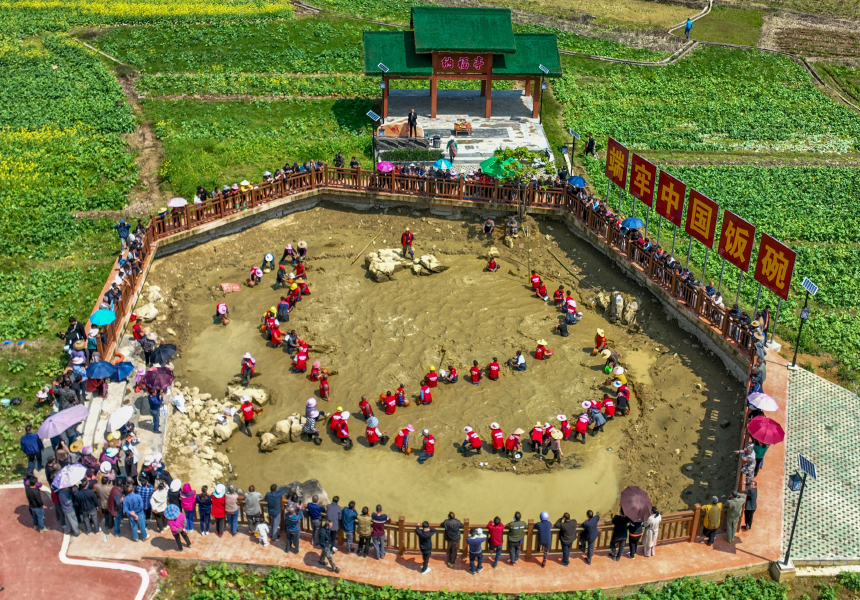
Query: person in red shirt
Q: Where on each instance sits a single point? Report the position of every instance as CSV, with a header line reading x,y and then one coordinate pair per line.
x,y
295,294
498,437
372,432
365,408
497,530
426,395
300,362
324,389
581,426
402,439
558,296
475,373
137,332
622,400
300,270
247,414
389,403
473,440
512,444
599,342
315,371
248,368
304,290
492,265
542,292
400,395
609,408
535,281
451,376
598,404
254,276
343,431
406,241
334,423
536,439
432,378
429,447
542,351
566,429
493,369
547,432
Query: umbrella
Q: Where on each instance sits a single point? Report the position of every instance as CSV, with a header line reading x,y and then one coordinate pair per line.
x,y
102,317
177,202
159,379
58,422
120,417
100,370
632,223
385,167
163,353
123,370
762,402
766,430
69,476
442,164
635,503
576,181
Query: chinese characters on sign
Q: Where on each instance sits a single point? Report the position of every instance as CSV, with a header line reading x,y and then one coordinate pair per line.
x,y
736,241
460,63
775,266
670,198
642,178
616,163
701,218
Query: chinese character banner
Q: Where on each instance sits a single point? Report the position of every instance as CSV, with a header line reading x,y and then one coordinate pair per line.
x,y
461,63
736,241
643,176
701,218
616,163
775,265
670,198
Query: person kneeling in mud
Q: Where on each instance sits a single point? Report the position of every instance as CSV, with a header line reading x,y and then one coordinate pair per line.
x,y
310,427
342,430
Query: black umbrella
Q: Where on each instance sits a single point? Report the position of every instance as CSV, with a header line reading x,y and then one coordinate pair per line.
x,y
159,379
163,354
635,503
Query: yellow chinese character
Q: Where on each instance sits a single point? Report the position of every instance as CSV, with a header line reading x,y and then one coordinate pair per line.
x,y
700,222
736,241
642,180
616,163
670,197
774,266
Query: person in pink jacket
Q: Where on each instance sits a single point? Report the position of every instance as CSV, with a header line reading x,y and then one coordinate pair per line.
x,y
176,522
187,500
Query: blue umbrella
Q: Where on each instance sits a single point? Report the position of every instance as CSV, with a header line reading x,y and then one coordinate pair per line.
x,y
100,370
102,317
576,181
632,223
123,370
442,164
58,422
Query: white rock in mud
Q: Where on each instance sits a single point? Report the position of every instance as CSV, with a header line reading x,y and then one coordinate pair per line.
x,y
146,313
492,252
268,442
628,317
235,392
431,263
509,241
223,432
384,263
154,294
603,300
281,430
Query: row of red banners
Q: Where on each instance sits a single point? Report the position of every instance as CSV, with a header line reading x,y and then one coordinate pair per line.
x,y
775,264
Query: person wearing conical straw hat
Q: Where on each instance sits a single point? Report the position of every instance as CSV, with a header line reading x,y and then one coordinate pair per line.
x,y
402,439
599,342
342,431
542,351
512,444
611,357
555,445
498,437
581,427
302,248
536,439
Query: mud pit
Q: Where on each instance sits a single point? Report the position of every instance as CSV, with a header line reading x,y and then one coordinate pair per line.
x,y
677,442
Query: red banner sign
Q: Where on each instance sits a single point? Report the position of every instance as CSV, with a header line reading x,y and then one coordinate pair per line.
x,y
775,266
701,218
461,63
736,241
616,163
670,198
643,176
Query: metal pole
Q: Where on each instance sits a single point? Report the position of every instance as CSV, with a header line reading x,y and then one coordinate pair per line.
x,y
540,112
775,320
659,229
705,266
647,215
689,250
674,235
620,194
757,298
608,188
740,281
794,523
799,332
633,212
722,268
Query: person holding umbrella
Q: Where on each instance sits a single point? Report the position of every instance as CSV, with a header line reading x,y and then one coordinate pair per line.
x,y
635,507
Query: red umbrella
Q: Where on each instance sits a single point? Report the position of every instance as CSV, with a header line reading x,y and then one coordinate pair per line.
x,y
635,503
766,430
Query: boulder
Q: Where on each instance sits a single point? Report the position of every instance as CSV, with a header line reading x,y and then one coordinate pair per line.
x,y
154,294
616,307
492,252
268,442
603,300
307,490
282,429
223,432
432,264
296,428
509,241
628,316
384,263
257,395
146,313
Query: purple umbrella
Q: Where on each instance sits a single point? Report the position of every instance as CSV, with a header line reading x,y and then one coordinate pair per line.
x,y
58,422
159,379
69,476
385,167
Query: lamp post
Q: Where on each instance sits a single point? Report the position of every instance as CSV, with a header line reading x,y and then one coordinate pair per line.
x,y
545,71
804,316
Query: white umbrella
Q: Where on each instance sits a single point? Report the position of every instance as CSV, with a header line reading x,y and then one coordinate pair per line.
x,y
177,202
120,417
763,402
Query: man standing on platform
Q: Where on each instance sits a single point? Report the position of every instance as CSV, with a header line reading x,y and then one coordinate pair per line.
x,y
412,119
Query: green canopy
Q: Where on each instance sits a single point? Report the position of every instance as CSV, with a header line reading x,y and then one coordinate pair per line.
x,y
496,168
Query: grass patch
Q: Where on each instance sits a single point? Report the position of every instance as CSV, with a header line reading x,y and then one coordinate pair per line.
x,y
629,14
728,25
219,143
847,78
838,8
594,46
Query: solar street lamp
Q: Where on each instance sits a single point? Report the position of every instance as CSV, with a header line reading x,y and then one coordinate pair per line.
x,y
543,70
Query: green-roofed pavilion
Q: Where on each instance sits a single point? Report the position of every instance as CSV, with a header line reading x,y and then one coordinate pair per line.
x,y
476,44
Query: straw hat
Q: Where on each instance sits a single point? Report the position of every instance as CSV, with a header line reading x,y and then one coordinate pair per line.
x,y
303,245
494,426
151,336
247,355
561,418
311,402
586,404
467,429
618,371
758,335
600,333
541,342
410,427
518,431
556,435
76,446
538,424
605,354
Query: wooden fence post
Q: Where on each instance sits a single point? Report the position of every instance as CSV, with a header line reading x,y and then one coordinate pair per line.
x,y
401,536
529,538
465,549
694,524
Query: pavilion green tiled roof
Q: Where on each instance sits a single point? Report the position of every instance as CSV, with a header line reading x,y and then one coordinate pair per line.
x,y
474,30
533,50
396,50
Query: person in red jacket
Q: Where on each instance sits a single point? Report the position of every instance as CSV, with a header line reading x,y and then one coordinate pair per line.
x,y
304,290
372,432
547,433
334,423
400,395
300,270
599,342
542,292
300,362
451,376
498,437
402,439
609,407
247,414
426,397
365,408
389,403
475,373
497,530
406,241
432,378
324,388
570,304
219,512
343,430
295,294
428,448
535,281
492,265
138,333
315,371
581,426
536,439
512,444
493,369
558,296
542,351
473,440
564,424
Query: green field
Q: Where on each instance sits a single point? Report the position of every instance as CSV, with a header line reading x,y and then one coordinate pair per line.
x,y
728,25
